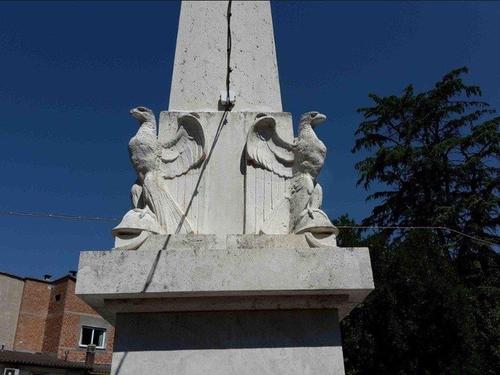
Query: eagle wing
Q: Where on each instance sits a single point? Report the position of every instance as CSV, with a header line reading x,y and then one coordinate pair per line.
x,y
267,149
186,150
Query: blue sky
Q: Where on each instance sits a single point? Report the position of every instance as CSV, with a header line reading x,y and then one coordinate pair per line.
x,y
70,71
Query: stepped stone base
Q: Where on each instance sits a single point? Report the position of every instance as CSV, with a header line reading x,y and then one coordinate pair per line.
x,y
236,304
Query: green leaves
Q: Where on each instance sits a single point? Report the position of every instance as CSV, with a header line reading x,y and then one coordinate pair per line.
x,y
433,157
434,149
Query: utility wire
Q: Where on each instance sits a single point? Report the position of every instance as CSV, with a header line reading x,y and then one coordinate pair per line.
x,y
58,216
375,227
417,227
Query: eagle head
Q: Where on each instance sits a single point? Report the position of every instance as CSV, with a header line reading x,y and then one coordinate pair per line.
x,y
313,118
143,114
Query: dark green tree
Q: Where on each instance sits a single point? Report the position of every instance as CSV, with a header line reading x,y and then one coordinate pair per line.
x,y
436,155
433,159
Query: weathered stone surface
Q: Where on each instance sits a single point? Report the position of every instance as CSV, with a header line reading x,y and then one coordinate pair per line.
x,y
301,161
200,65
154,210
291,342
206,267
224,196
213,242
225,173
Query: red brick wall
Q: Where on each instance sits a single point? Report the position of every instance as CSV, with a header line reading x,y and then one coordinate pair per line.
x,y
47,325
74,309
74,303
70,340
32,316
53,323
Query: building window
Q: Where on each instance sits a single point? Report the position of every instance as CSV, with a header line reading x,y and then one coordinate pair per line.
x,y
58,297
93,335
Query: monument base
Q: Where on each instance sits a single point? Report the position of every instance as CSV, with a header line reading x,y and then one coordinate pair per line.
x,y
291,342
237,304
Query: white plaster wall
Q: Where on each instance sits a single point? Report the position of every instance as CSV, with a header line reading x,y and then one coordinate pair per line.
x,y
11,292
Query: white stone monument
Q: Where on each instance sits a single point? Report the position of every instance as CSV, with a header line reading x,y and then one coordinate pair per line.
x,y
225,263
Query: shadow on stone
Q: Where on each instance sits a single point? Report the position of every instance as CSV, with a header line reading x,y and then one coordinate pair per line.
x,y
227,330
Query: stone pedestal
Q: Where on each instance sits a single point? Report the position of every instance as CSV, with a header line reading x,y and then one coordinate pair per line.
x,y
235,304
264,342
258,285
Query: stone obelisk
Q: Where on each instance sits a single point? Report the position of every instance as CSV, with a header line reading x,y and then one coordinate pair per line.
x,y
201,59
225,263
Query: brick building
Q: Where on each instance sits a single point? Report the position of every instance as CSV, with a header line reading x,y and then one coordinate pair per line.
x,y
45,316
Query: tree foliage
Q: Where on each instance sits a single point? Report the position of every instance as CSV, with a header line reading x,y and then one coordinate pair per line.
x,y
433,159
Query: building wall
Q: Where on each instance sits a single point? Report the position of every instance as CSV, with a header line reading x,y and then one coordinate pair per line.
x,y
77,314
50,320
11,292
55,315
32,370
32,316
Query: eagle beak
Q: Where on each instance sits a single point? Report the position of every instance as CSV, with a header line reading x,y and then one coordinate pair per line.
x,y
135,113
318,119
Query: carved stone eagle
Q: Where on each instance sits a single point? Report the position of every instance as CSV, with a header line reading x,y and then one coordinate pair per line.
x,y
300,161
155,161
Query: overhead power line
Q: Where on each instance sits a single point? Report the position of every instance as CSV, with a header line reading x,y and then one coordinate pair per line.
x,y
46,215
58,216
418,227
